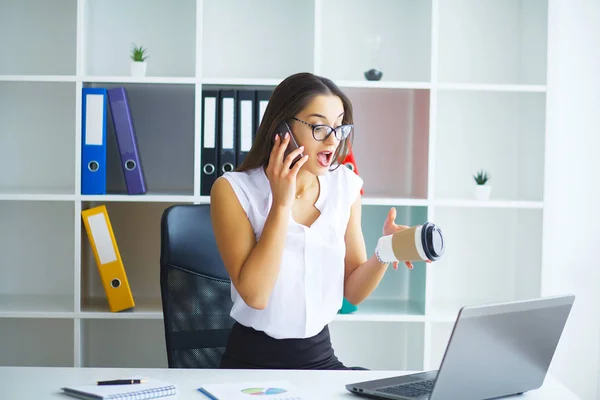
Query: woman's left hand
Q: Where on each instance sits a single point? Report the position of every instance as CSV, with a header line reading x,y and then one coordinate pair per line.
x,y
390,227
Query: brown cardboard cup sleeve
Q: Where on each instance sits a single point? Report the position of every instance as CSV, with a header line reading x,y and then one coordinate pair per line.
x,y
417,243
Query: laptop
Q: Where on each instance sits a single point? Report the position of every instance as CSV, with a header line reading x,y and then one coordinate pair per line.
x,y
494,350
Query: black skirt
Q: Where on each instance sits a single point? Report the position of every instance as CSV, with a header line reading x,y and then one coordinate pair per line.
x,y
248,348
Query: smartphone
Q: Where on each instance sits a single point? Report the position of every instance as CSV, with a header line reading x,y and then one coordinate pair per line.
x,y
282,129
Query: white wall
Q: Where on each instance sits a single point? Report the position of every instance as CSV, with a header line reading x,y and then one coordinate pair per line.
x,y
572,185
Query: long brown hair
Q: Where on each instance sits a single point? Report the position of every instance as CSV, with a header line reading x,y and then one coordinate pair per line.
x,y
292,95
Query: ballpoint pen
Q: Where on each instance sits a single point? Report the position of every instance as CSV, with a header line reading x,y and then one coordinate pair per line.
x,y
122,382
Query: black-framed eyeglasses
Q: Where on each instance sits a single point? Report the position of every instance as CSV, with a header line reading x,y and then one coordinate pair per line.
x,y
321,131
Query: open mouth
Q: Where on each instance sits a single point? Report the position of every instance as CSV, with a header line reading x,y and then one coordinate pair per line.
x,y
324,158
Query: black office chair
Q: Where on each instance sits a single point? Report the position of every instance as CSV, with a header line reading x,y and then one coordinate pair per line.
x,y
195,289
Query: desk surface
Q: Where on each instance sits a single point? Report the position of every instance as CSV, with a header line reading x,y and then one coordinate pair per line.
x,y
29,383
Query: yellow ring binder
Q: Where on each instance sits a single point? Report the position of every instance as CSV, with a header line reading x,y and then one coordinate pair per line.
x,y
108,259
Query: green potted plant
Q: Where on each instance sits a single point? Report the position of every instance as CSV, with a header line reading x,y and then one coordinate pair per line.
x,y
482,188
138,61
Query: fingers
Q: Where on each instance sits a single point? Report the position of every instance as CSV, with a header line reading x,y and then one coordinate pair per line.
x,y
276,146
298,165
409,264
283,146
392,214
390,220
277,152
288,160
274,152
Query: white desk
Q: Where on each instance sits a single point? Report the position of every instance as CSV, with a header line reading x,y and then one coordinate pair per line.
x,y
33,383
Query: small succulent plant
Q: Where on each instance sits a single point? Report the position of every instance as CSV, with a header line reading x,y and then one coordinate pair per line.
x,y
138,53
481,177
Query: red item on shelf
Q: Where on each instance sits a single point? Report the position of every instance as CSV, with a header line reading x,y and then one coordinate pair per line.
x,y
350,162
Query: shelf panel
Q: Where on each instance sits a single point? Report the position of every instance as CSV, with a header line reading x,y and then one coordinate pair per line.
x,y
370,310
498,42
366,200
163,117
36,342
37,250
166,29
393,201
401,349
146,79
342,83
38,78
393,36
449,203
254,82
487,203
271,44
145,308
492,255
36,306
382,84
16,194
146,198
391,140
201,199
123,344
37,127
490,87
382,310
38,37
501,132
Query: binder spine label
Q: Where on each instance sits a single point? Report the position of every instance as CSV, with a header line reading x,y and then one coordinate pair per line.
x,y
228,125
262,108
246,126
209,122
102,239
94,120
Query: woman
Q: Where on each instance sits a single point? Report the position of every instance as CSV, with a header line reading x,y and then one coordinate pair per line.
x,y
290,237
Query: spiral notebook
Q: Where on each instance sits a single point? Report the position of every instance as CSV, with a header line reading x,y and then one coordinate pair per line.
x,y
153,389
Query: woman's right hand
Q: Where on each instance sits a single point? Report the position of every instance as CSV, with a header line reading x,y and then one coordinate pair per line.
x,y
281,177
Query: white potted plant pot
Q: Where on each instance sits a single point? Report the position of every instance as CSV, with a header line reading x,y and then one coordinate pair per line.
x,y
138,68
482,192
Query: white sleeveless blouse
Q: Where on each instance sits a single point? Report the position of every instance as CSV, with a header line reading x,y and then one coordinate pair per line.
x,y
310,286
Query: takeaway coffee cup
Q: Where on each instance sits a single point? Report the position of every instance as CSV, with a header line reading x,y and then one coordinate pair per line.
x,y
417,243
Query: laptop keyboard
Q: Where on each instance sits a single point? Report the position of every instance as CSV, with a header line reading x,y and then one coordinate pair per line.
x,y
414,389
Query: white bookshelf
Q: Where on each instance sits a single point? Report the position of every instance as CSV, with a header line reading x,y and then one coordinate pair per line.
x,y
463,88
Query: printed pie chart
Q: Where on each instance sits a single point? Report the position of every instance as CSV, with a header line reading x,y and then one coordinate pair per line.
x,y
263,391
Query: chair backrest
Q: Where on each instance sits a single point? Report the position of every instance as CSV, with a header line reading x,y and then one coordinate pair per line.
x,y
195,289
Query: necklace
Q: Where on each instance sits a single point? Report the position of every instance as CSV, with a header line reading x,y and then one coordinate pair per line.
x,y
305,189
